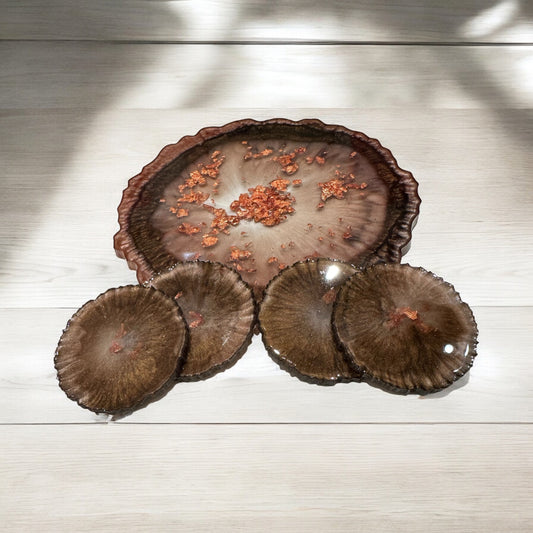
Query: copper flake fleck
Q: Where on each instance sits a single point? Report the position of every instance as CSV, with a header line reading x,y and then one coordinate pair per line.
x,y
280,184
188,229
209,240
264,204
238,254
197,319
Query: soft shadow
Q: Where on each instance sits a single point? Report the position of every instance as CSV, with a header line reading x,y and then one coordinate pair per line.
x,y
460,383
385,387
49,75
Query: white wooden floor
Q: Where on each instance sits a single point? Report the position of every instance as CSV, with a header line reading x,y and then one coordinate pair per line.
x,y
90,91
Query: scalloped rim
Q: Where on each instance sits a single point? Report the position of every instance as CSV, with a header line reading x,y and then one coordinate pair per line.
x,y
281,361
379,383
228,363
399,236
161,391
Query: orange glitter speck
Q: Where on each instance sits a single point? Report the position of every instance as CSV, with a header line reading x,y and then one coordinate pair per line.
x,y
272,259
280,184
237,254
209,240
334,187
263,153
264,204
398,315
410,313
287,161
115,347
196,318
188,229
290,169
193,197
330,296
195,178
221,219
297,182
256,155
212,170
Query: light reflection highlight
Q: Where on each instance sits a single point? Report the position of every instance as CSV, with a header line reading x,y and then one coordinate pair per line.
x,y
332,272
448,348
490,20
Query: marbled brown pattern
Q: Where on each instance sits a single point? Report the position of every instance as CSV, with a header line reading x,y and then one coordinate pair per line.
x,y
365,226
295,321
220,310
405,327
120,349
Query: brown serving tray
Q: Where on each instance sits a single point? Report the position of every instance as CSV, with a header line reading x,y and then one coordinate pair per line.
x,y
261,195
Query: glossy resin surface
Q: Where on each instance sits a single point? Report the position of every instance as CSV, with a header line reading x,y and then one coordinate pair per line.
x,y
120,349
219,309
259,196
405,327
295,321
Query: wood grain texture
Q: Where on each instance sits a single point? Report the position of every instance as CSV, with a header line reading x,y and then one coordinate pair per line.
x,y
145,76
90,91
265,478
259,21
64,172
497,389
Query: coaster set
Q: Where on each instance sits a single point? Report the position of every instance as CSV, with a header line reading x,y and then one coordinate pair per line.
x,y
292,229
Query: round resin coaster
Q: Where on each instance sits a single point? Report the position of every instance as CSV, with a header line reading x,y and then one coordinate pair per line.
x,y
405,327
258,196
295,321
120,349
220,310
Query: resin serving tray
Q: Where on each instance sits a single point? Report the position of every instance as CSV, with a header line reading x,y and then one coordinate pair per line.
x,y
258,196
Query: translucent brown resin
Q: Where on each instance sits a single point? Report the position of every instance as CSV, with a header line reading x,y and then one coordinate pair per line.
x,y
258,196
405,328
220,311
120,349
295,321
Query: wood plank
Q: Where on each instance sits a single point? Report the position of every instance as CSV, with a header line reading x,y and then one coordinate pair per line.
x,y
104,75
240,20
265,478
64,171
497,389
